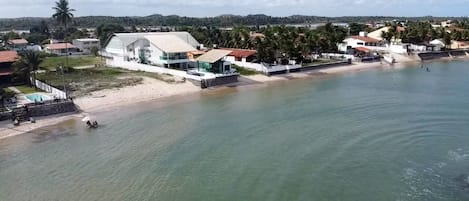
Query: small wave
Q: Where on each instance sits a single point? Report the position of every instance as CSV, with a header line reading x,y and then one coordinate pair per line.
x,y
457,155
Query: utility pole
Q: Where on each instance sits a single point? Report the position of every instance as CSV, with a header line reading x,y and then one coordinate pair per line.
x,y
63,80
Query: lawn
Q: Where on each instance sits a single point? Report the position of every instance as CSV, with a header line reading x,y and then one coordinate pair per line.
x,y
27,90
244,71
81,82
51,63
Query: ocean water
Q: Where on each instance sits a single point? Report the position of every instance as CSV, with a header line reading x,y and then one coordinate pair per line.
x,y
395,134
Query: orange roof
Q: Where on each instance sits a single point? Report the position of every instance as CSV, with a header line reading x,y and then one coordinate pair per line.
x,y
362,49
400,29
241,53
8,56
197,52
366,39
18,41
60,46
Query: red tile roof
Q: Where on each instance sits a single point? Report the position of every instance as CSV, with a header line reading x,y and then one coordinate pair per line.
x,y
366,39
18,41
241,53
60,46
8,56
400,29
362,49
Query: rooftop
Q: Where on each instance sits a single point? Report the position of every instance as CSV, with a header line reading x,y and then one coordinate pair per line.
x,y
87,39
60,46
170,43
128,38
20,41
213,55
8,56
366,39
241,53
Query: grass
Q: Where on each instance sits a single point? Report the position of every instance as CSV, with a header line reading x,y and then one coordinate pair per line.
x,y
27,90
84,81
51,63
244,71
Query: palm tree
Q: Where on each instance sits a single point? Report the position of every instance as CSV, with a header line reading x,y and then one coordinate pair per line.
x,y
63,15
29,62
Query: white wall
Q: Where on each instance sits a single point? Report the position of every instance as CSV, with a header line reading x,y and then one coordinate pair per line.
x,y
148,68
265,69
56,92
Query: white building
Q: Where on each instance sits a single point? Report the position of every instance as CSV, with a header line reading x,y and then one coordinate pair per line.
x,y
165,49
86,45
438,44
61,49
361,40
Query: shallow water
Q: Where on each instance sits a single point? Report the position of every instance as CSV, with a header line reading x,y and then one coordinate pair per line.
x,y
376,135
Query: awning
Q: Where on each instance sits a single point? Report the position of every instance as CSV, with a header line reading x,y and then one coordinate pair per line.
x,y
213,55
362,49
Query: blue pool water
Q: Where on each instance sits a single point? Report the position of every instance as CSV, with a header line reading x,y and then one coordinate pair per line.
x,y
36,97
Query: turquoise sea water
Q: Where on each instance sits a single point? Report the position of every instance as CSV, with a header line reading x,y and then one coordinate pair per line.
x,y
396,135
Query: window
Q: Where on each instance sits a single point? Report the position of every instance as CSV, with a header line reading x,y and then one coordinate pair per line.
x,y
360,43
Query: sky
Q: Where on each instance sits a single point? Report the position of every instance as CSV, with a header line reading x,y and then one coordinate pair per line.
x,y
204,8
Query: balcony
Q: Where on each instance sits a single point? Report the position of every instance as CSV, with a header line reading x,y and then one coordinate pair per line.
x,y
171,57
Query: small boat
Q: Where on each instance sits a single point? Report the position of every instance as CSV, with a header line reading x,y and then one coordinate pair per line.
x,y
389,59
89,123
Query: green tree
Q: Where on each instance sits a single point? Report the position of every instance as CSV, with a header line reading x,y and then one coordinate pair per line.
x,y
104,31
63,13
28,63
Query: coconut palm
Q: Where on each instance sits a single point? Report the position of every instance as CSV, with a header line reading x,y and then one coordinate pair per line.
x,y
63,15
28,63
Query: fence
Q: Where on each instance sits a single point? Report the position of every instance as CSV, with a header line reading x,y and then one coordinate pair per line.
x,y
54,91
148,68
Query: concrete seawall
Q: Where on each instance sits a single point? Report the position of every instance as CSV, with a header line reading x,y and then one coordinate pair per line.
x,y
443,54
40,110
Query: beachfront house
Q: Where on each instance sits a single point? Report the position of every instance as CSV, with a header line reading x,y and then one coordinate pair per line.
x,y
214,61
438,44
241,55
86,45
7,58
17,44
361,40
61,49
163,49
457,45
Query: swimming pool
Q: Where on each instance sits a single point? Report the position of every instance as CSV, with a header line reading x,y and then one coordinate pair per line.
x,y
37,97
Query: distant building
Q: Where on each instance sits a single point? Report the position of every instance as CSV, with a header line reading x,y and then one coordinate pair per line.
x,y
85,45
61,49
459,45
165,49
17,44
7,58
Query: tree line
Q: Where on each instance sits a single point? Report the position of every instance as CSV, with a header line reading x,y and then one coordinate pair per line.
x,y
218,21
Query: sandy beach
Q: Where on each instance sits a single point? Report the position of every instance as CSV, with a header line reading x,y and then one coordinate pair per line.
x,y
152,89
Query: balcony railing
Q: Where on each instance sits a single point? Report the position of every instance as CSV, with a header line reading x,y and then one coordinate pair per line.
x,y
173,57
